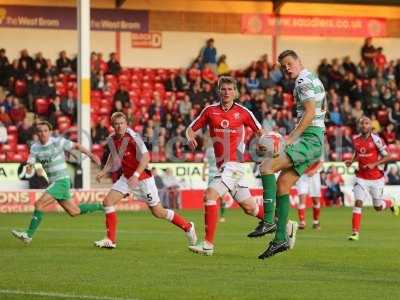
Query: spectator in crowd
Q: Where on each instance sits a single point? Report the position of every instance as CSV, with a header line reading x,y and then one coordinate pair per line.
x,y
389,135
63,63
268,122
4,67
357,112
40,65
48,88
185,106
252,83
380,59
99,82
394,114
113,65
4,117
208,56
68,105
182,82
393,176
98,64
100,132
25,132
118,107
265,80
348,66
171,186
222,66
122,95
3,133
368,51
18,112
55,110
336,116
26,61
171,84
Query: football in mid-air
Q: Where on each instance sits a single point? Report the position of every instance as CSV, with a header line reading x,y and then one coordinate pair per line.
x,y
270,145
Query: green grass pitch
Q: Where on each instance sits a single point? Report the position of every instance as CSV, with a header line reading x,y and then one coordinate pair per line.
x,y
152,260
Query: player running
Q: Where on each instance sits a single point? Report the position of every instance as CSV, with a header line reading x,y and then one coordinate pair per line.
x,y
310,184
226,121
210,170
129,152
370,152
303,148
49,151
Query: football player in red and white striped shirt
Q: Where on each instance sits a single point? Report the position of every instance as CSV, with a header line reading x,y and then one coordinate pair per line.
x,y
226,121
370,152
129,152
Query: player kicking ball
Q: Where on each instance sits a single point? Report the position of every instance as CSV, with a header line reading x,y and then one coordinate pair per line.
x,y
304,147
370,151
49,151
129,152
310,184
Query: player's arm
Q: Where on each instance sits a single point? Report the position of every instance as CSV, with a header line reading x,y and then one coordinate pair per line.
x,y
197,123
349,162
106,169
386,156
89,154
250,120
143,162
306,120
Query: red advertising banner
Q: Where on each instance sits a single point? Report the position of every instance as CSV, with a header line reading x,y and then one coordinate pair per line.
x,y
313,25
147,40
23,200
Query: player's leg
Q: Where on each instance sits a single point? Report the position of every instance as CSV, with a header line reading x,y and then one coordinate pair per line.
x,y
381,204
148,190
119,190
360,192
287,178
302,186
301,211
26,236
268,169
315,193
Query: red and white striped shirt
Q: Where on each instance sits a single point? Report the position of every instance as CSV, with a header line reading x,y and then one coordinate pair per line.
x,y
227,130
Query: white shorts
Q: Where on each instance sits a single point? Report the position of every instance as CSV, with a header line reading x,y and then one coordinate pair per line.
x,y
309,185
364,189
230,179
146,190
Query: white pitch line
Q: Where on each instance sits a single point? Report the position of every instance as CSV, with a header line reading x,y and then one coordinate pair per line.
x,y
59,295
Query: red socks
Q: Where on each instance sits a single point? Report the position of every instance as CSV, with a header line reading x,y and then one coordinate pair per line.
x,y
178,220
111,223
316,212
301,210
210,220
356,221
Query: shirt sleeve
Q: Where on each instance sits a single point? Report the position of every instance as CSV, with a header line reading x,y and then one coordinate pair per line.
x,y
67,145
251,121
140,146
305,90
380,144
32,156
200,121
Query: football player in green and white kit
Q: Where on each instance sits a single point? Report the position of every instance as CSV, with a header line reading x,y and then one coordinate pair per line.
x,y
49,151
304,147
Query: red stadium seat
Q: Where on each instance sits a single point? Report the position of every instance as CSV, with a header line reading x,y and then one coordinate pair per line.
x,y
20,88
199,157
12,140
22,148
347,156
3,157
383,117
12,129
42,106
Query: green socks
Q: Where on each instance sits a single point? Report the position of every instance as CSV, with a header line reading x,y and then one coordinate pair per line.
x,y
222,209
269,196
283,214
90,207
35,222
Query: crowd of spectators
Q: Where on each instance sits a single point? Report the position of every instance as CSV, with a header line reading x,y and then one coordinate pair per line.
x,y
160,103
